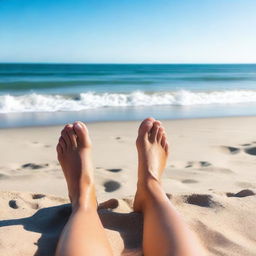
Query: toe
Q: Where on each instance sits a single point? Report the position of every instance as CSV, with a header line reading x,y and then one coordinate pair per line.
x,y
65,137
166,148
62,144
59,149
82,133
146,126
154,131
160,134
163,141
72,136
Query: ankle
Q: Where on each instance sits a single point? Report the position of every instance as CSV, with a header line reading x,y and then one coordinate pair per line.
x,y
86,199
148,184
83,205
146,194
84,208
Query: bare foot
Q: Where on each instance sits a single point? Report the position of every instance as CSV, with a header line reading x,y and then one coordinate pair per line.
x,y
152,149
74,155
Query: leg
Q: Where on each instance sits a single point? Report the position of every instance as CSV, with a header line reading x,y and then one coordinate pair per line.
x,y
164,232
83,233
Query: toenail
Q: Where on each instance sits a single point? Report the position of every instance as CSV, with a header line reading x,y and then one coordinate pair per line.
x,y
78,125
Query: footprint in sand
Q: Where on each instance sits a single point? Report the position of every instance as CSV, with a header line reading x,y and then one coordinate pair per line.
x,y
242,193
13,204
38,196
249,148
251,151
197,164
246,147
201,200
231,150
19,203
34,166
189,181
111,186
200,166
115,170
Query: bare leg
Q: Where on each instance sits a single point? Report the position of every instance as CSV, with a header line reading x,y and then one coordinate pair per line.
x,y
83,233
164,232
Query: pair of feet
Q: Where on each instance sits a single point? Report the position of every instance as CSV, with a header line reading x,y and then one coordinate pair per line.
x,y
74,155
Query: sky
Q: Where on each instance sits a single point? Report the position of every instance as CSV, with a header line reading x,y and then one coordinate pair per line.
x,y
128,31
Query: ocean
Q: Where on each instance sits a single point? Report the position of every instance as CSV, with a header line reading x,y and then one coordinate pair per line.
x,y
51,94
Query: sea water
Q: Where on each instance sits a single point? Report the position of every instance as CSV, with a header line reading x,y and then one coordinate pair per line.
x,y
49,94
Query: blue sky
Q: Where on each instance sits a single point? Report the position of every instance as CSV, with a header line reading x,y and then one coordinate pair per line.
x,y
128,31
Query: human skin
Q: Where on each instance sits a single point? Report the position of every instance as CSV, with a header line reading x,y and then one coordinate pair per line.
x,y
83,234
164,232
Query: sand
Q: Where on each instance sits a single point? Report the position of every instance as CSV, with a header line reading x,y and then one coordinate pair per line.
x,y
210,178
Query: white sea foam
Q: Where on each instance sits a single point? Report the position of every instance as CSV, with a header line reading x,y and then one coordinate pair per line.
x,y
51,103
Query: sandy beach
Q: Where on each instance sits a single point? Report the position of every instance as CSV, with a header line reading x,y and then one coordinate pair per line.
x,y
210,178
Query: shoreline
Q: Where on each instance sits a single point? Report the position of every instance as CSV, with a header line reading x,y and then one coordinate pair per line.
x,y
217,118
120,114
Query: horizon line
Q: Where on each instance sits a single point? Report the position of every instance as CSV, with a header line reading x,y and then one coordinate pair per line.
x,y
133,63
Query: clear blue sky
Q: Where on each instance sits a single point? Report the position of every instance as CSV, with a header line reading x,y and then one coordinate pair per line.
x,y
128,31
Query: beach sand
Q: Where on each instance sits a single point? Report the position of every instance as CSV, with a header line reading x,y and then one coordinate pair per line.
x,y
210,178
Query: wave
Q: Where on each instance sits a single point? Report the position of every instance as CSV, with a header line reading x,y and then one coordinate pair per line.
x,y
51,103
62,84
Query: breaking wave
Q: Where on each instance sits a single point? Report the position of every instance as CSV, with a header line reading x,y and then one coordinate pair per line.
x,y
51,103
